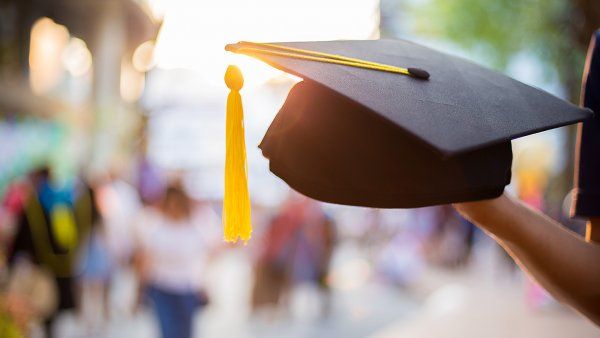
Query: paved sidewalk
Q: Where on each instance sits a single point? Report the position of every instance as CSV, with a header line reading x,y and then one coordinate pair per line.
x,y
466,305
483,301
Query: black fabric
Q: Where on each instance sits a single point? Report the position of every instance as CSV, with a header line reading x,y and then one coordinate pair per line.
x,y
461,107
586,202
328,148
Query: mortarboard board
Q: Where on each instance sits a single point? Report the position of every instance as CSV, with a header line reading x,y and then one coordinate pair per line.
x,y
392,124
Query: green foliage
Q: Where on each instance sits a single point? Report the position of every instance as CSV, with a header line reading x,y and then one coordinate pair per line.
x,y
496,30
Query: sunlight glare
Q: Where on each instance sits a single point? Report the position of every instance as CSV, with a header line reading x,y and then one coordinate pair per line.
x,y
194,34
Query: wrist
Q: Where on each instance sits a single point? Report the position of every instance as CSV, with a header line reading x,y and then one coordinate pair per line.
x,y
485,213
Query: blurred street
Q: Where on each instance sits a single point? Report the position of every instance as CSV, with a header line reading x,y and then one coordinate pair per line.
x,y
480,301
468,306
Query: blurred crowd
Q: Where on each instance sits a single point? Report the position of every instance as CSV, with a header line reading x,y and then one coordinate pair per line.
x,y
64,244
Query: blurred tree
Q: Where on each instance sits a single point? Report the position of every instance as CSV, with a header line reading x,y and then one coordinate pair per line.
x,y
556,32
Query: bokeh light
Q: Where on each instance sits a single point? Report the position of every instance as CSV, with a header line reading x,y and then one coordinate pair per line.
x,y
76,57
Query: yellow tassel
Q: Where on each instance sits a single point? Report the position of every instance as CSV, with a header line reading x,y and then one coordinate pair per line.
x,y
236,201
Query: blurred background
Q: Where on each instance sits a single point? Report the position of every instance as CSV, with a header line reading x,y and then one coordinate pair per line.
x,y
111,168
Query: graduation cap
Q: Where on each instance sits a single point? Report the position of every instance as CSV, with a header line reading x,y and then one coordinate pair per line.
x,y
386,124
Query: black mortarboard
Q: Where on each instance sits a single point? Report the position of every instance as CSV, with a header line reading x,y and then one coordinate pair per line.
x,y
360,134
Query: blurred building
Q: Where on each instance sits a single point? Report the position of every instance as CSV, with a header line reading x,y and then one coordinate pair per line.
x,y
78,66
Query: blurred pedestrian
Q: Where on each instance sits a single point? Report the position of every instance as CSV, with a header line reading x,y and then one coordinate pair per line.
x,y
54,224
95,271
174,242
298,246
451,239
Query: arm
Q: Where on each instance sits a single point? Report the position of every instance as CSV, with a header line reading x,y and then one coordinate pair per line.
x,y
564,263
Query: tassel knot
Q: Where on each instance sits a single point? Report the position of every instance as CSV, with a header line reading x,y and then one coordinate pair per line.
x,y
233,78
